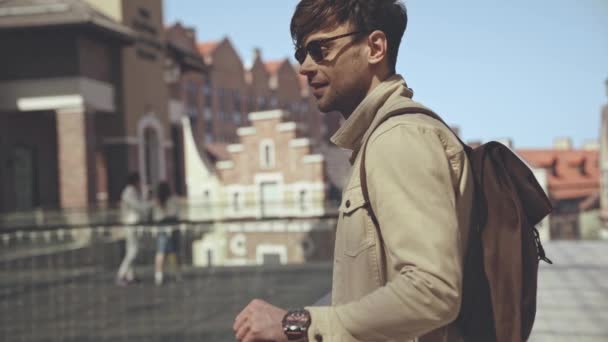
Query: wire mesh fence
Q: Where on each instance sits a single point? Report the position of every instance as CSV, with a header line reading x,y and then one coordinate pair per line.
x,y
59,283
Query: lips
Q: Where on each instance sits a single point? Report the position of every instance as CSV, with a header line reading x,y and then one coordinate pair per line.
x,y
317,88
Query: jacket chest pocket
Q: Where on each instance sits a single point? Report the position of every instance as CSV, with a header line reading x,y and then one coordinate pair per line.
x,y
356,224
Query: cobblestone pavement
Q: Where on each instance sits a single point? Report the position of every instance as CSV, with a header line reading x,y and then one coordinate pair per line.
x,y
83,304
573,294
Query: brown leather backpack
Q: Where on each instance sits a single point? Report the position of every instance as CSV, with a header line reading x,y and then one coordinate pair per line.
x,y
504,249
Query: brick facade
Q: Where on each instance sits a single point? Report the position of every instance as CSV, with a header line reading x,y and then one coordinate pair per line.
x,y
72,155
233,91
224,92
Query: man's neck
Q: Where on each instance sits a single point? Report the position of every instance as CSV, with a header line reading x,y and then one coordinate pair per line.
x,y
375,82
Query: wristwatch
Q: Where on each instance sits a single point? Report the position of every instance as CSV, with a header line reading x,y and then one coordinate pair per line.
x,y
296,323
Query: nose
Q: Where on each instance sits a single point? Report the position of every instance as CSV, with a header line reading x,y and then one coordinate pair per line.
x,y
308,67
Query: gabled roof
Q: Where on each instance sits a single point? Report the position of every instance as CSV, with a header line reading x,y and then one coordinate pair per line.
x,y
181,46
207,48
217,152
273,66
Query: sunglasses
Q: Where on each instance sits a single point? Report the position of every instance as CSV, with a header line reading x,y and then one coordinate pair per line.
x,y
315,48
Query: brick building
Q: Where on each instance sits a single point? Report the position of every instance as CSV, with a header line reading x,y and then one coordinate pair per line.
x,y
232,90
60,114
223,93
73,126
185,75
270,173
144,144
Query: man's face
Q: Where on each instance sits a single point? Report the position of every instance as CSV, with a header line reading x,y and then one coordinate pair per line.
x,y
339,82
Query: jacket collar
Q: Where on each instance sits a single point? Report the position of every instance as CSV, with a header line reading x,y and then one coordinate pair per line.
x,y
372,109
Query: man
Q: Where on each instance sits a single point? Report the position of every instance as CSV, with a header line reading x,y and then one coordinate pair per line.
x,y
132,210
404,284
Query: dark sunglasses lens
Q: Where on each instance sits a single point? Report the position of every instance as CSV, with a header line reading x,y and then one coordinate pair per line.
x,y
300,55
314,48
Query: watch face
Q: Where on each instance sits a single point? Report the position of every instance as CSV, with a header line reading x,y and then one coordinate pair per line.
x,y
298,318
295,324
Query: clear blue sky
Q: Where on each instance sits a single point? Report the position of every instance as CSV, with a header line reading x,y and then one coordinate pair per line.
x,y
531,70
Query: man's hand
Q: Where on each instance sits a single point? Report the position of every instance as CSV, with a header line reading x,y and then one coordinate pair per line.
x,y
260,321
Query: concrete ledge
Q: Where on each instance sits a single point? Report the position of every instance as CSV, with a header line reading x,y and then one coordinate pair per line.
x,y
301,142
313,158
225,164
235,148
287,126
269,114
243,131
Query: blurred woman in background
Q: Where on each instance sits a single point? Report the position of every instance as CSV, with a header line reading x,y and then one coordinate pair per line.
x,y
166,212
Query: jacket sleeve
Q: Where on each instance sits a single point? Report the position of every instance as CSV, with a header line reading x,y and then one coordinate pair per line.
x,y
413,195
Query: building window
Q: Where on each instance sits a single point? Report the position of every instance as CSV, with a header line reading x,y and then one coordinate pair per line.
x,y
151,156
252,104
208,98
24,178
261,103
220,100
267,154
190,89
582,167
274,101
236,102
208,129
303,199
236,201
207,91
207,199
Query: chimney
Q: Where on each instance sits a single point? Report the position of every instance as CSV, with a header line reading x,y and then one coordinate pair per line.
x,y
591,145
190,33
563,143
257,54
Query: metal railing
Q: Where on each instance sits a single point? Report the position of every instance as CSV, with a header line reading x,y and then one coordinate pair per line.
x,y
57,283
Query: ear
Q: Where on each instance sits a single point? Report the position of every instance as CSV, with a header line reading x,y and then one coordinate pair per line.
x,y
378,47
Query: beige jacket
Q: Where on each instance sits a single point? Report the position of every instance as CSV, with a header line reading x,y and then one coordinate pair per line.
x,y
420,188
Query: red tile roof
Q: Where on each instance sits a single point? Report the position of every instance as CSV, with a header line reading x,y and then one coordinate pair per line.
x,y
218,151
207,48
273,66
571,173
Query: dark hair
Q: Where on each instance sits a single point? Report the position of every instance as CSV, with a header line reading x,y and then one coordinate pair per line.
x,y
388,16
133,178
163,192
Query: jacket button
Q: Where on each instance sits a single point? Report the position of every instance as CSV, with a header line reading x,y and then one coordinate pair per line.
x,y
347,203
